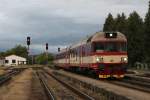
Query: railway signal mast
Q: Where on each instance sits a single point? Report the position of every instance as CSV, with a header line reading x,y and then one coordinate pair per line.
x,y
47,52
28,44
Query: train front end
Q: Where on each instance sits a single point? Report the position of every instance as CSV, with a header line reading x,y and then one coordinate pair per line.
x,y
110,54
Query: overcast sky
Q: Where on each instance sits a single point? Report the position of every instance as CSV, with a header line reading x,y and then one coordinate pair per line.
x,y
58,22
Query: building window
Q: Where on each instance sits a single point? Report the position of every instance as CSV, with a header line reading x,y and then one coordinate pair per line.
x,y
13,61
6,61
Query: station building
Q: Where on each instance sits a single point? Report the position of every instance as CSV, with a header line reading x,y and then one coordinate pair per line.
x,y
2,61
14,60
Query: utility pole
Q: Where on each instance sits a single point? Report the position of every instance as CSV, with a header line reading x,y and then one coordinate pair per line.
x,y
47,52
28,44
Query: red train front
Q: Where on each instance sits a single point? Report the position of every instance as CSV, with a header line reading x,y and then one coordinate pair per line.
x,y
104,53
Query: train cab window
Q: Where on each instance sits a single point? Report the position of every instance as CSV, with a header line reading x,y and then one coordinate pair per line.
x,y
99,47
123,47
112,47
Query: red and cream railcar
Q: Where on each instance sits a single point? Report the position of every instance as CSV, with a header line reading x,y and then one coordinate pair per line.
x,y
104,53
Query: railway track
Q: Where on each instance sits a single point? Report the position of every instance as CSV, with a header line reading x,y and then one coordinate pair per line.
x,y
78,92
75,93
118,89
137,85
133,82
45,86
6,77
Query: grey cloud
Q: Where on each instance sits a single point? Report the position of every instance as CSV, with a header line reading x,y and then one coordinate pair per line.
x,y
58,22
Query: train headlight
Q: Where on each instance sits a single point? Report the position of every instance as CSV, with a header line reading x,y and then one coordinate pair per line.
x,y
110,34
99,59
124,59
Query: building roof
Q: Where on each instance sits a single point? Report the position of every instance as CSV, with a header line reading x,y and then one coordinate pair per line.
x,y
12,56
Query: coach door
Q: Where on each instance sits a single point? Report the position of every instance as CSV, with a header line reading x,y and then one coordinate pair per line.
x,y
67,57
81,59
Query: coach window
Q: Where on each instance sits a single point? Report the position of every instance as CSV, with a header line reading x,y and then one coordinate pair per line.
x,y
76,55
73,52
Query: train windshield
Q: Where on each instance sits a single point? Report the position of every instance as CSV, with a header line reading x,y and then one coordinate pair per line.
x,y
110,47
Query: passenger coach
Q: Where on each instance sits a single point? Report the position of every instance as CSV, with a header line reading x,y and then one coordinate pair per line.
x,y
104,53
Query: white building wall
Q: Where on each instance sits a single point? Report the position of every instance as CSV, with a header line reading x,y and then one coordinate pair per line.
x,y
2,62
18,60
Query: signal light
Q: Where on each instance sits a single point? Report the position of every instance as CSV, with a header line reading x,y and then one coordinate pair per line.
x,y
28,40
110,35
46,46
58,49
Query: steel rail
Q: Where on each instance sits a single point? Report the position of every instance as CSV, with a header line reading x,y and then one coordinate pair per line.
x,y
130,85
4,79
79,93
7,77
130,82
46,88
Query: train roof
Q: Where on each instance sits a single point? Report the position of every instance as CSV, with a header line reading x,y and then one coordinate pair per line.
x,y
100,36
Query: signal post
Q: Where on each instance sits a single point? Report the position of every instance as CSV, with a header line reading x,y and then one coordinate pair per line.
x,y
28,44
47,53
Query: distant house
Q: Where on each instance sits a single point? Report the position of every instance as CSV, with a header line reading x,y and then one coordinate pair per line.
x,y
2,61
14,60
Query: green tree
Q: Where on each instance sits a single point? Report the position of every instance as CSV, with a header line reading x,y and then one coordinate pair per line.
x,y
42,58
109,23
18,50
147,35
121,23
2,54
135,38
137,33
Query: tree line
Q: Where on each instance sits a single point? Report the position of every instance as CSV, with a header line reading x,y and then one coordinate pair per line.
x,y
17,50
137,31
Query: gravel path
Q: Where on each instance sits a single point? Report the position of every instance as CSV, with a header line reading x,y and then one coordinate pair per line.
x,y
18,88
24,86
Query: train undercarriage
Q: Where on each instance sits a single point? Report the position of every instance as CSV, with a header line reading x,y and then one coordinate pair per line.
x,y
102,72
